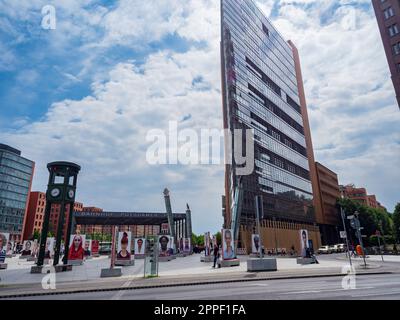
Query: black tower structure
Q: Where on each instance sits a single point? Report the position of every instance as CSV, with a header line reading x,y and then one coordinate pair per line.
x,y
61,190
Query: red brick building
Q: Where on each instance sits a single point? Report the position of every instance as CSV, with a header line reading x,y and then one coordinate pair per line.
x,y
55,215
325,204
35,215
388,16
360,195
92,229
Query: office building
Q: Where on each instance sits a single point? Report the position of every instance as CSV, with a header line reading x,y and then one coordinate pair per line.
x,y
16,173
263,90
326,205
388,16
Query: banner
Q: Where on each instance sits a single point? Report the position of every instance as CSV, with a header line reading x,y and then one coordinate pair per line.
x,y
140,246
304,245
255,243
124,246
88,248
95,247
76,249
228,245
35,248
164,245
4,239
10,248
27,248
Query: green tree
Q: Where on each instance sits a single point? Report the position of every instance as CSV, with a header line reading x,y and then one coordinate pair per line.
x,y
36,235
396,222
219,237
371,219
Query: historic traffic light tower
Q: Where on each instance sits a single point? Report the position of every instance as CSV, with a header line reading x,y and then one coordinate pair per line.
x,y
61,190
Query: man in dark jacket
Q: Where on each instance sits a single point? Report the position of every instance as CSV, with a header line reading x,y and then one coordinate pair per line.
x,y
216,254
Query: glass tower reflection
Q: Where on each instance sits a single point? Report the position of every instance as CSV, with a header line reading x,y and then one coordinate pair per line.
x,y
260,92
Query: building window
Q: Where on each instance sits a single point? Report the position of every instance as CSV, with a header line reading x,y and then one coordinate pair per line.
x,y
393,30
388,13
265,29
396,48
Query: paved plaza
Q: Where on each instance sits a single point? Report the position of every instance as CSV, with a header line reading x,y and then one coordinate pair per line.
x,y
18,271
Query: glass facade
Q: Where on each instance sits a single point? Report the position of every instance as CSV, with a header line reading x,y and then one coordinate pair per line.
x,y
260,92
15,180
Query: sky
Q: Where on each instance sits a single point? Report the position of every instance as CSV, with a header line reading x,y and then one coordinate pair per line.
x,y
90,90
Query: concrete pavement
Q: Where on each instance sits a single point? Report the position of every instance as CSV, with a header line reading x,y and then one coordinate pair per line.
x,y
366,287
179,272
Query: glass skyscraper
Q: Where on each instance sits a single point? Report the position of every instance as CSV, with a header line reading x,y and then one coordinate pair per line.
x,y
16,175
263,91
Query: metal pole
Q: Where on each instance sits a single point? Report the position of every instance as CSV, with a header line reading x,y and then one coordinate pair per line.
x,y
362,247
113,241
259,207
59,234
69,229
276,241
345,230
380,251
383,235
45,227
43,236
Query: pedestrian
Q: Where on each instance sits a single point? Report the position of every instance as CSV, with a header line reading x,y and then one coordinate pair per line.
x,y
359,251
353,253
216,254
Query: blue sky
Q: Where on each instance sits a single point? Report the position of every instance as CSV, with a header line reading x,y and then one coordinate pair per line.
x,y
113,70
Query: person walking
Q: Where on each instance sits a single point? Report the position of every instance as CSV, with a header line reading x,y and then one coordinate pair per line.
x,y
216,254
353,253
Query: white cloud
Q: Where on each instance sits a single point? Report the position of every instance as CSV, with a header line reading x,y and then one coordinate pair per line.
x,y
106,131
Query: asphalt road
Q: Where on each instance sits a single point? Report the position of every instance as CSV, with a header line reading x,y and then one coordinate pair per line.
x,y
369,287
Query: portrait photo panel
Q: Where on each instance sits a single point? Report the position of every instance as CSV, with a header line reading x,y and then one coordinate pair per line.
x,y
140,246
228,245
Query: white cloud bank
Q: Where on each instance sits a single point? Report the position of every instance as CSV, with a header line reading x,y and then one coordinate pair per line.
x,y
351,102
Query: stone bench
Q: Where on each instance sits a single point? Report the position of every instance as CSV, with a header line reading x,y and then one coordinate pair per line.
x,y
257,265
230,263
111,273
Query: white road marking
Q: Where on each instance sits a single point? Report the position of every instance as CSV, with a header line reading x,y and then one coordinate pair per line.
x,y
120,293
331,290
376,294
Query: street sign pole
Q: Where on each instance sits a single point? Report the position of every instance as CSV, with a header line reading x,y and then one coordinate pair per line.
x,y
362,246
379,243
259,207
347,240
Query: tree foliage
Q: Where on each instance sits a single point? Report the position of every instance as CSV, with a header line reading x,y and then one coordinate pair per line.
x,y
371,219
396,222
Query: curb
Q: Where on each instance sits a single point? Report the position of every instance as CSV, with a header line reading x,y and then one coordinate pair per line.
x,y
187,284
